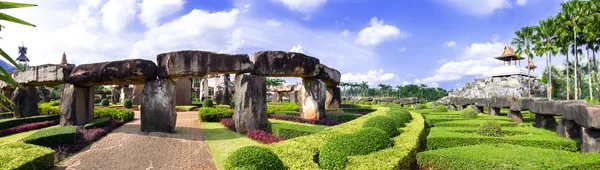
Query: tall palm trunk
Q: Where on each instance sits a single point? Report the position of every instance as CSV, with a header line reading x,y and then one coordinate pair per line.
x,y
549,70
576,63
568,78
589,74
595,70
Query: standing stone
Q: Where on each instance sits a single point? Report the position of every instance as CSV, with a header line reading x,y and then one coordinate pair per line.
x,y
333,97
115,94
184,91
545,121
222,91
590,140
136,96
158,106
26,102
76,105
568,129
294,96
313,99
494,111
250,103
461,107
125,94
276,97
450,107
478,109
516,116
204,89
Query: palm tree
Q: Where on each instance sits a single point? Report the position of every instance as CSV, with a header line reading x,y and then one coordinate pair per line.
x,y
4,75
364,86
573,12
590,36
523,39
546,31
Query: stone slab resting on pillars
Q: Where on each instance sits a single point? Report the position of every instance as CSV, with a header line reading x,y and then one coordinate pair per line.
x,y
158,106
76,105
250,103
545,121
313,99
568,129
333,98
516,116
26,102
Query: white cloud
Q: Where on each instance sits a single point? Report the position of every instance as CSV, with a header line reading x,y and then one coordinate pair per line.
x,y
450,44
273,23
304,6
372,77
479,7
297,48
377,33
495,38
403,49
410,75
345,33
521,2
117,14
405,83
152,10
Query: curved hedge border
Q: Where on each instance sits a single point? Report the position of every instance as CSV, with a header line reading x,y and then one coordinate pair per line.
x,y
446,137
8,123
505,156
18,155
401,156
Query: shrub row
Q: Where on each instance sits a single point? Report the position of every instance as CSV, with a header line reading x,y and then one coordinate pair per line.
x,y
288,113
124,115
27,127
358,110
185,108
289,131
228,122
8,123
342,117
448,137
53,137
210,114
6,115
298,119
505,156
336,149
253,157
287,106
472,123
97,123
434,118
263,136
104,102
48,108
18,155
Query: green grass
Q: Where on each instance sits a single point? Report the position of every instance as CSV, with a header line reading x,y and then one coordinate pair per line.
x,y
289,130
222,141
20,136
504,156
18,155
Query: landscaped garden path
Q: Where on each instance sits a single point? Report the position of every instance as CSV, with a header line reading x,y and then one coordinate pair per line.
x,y
128,148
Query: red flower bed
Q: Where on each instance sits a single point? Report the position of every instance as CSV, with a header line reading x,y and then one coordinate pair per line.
x,y
308,121
263,137
28,127
228,122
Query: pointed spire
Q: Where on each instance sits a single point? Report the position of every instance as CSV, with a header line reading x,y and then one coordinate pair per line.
x,y
64,59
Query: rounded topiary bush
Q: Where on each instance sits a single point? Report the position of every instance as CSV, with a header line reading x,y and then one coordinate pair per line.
x,y
97,100
490,128
468,113
441,108
104,102
429,104
127,103
207,103
420,106
374,102
253,157
384,123
400,117
334,153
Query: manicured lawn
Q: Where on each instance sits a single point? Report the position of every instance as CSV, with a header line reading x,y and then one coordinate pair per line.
x,y
222,141
19,136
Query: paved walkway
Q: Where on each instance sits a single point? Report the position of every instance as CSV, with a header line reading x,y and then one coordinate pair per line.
x,y
129,148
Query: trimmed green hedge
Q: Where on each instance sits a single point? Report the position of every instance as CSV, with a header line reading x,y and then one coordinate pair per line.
x,y
400,117
125,115
434,118
48,108
289,131
342,117
186,108
336,149
401,155
448,137
278,107
207,103
253,157
223,106
504,156
211,114
358,110
97,123
383,123
8,123
53,137
21,156
6,115
288,113
128,104
468,113
104,102
441,108
473,123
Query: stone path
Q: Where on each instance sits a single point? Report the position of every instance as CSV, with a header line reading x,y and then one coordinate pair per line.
x,y
129,148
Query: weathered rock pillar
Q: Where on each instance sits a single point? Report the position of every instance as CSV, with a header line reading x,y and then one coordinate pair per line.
x,y
451,107
26,101
250,103
184,91
478,109
590,140
313,99
568,129
204,89
461,107
276,97
222,90
545,121
333,97
136,96
494,111
125,94
158,106
294,96
516,116
115,94
76,105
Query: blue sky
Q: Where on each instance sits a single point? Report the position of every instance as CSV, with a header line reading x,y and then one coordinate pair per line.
x,y
441,43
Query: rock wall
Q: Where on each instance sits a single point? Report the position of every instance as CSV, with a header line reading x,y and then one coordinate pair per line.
x,y
500,86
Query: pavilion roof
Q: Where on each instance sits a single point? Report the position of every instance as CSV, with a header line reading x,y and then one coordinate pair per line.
x,y
530,65
508,54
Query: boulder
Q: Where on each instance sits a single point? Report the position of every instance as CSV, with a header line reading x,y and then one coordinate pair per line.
x,y
568,129
586,115
333,98
26,102
560,107
502,101
222,90
451,107
329,76
250,103
516,116
76,105
590,140
157,111
543,107
115,96
494,111
199,64
122,72
478,109
42,75
313,99
136,96
183,92
284,64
